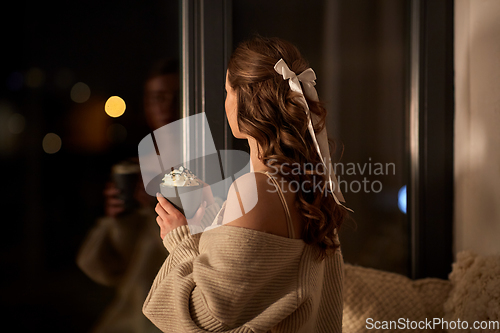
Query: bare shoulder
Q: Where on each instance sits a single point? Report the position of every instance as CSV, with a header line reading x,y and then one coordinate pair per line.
x,y
253,203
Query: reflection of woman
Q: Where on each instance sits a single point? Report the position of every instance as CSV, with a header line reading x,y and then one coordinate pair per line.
x,y
122,250
277,266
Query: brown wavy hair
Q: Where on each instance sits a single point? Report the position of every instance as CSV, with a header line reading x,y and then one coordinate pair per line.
x,y
269,111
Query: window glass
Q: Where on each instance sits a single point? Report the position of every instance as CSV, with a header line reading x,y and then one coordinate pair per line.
x,y
358,50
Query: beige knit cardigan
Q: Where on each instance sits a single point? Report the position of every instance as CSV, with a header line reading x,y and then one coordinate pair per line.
x,y
234,279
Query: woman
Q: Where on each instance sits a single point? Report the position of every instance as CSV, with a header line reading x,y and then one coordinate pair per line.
x,y
275,265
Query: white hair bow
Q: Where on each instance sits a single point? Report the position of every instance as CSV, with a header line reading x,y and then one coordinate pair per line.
x,y
308,78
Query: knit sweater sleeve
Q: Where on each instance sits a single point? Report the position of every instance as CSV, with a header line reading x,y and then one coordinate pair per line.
x,y
228,279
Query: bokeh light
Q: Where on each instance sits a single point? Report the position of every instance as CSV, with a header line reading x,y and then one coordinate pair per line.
x,y
35,77
51,143
402,199
116,133
115,106
80,92
16,123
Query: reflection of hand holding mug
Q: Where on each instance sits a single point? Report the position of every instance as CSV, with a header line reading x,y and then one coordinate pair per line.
x,y
125,176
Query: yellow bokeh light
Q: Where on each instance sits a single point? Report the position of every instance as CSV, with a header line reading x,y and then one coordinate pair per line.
x,y
51,143
115,106
80,93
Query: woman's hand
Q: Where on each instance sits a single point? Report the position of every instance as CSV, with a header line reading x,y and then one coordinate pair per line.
x,y
170,218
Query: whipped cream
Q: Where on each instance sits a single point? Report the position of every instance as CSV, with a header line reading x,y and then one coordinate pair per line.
x,y
180,177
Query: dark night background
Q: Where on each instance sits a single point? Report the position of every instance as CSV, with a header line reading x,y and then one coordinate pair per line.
x,y
110,46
